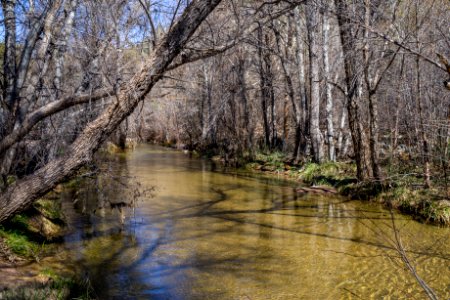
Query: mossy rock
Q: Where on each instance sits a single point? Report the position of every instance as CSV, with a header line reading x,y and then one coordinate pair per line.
x,y
46,228
253,166
44,221
38,227
50,209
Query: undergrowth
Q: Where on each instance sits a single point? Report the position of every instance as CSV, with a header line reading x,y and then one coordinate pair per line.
x,y
21,245
402,190
56,287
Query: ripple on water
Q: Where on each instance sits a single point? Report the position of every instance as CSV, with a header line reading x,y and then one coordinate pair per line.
x,y
212,235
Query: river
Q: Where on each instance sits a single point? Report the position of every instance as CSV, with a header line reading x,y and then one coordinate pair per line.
x,y
162,225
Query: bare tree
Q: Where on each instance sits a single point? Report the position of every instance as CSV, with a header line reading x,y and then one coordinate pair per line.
x,y
22,193
312,24
328,87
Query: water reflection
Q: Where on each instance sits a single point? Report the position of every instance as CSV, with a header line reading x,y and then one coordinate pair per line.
x,y
207,233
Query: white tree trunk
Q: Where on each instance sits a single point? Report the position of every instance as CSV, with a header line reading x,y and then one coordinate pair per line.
x,y
69,10
312,24
328,88
24,192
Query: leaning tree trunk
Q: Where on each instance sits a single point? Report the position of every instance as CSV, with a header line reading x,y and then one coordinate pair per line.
x,y
24,192
16,67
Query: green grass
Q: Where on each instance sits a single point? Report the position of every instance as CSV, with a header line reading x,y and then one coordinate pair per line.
x,y
335,174
425,204
21,245
68,287
73,183
273,161
272,157
400,191
20,221
57,287
49,208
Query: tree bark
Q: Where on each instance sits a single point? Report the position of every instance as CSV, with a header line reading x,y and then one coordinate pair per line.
x,y
44,54
47,110
373,101
312,24
61,46
423,135
9,59
302,113
328,88
29,46
24,192
342,132
266,87
353,83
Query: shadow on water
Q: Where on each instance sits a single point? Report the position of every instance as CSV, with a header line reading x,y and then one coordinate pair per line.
x,y
206,210
221,236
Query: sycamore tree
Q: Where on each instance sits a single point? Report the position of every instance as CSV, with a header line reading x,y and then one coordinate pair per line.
x,y
311,77
123,97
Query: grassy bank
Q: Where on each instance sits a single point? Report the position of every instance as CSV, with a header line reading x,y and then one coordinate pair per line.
x,y
18,246
50,286
406,193
27,241
31,234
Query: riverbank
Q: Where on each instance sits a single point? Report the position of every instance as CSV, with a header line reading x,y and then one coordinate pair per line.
x,y
204,224
31,262
31,245
26,279
405,194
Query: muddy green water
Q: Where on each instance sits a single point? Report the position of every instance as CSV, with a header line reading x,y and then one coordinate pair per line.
x,y
196,232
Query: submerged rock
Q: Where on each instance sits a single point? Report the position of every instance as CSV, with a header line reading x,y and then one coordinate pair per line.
x,y
51,209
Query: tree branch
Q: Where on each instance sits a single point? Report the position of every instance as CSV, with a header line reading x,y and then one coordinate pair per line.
x,y
150,19
44,112
195,55
24,192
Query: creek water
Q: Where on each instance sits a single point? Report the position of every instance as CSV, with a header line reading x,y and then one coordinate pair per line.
x,y
162,225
